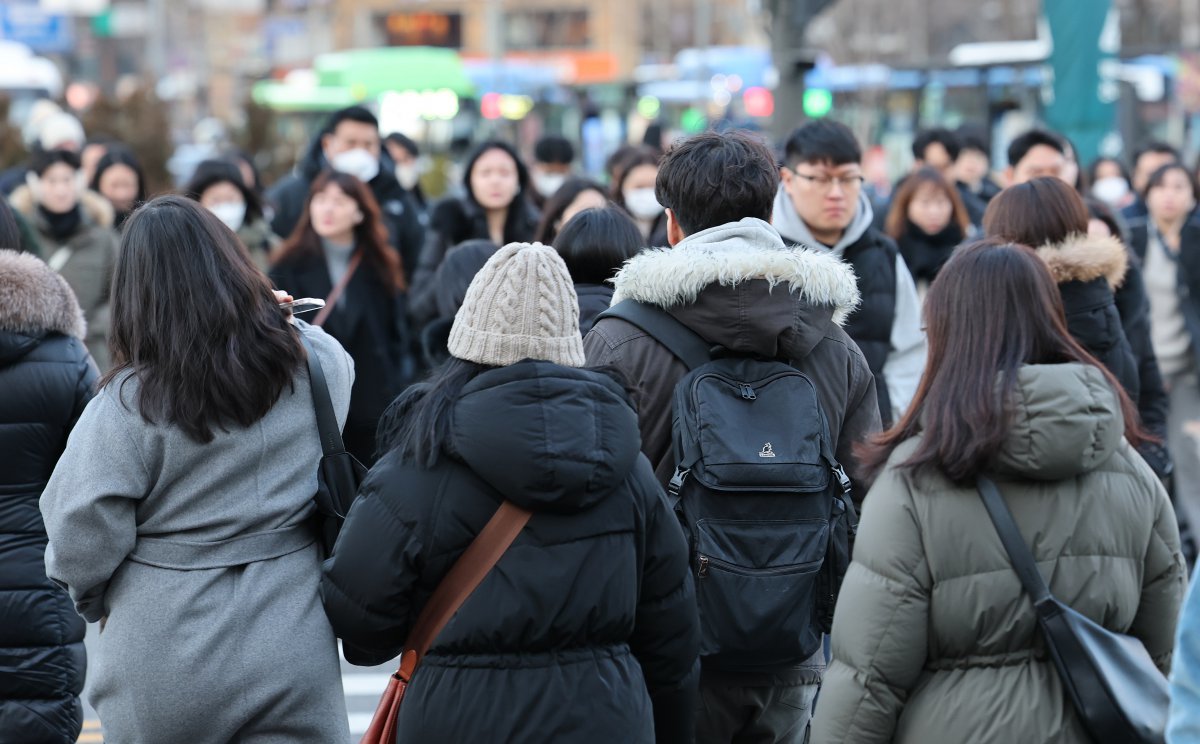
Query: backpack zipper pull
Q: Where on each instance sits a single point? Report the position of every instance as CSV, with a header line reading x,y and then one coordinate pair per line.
x,y
748,393
702,570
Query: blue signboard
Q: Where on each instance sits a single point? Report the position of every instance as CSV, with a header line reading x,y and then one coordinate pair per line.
x,y
28,24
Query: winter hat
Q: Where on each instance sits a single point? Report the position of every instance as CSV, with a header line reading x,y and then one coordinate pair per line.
x,y
521,305
60,129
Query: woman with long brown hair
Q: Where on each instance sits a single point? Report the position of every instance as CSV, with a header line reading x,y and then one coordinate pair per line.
x,y
933,637
179,516
339,252
928,221
1101,289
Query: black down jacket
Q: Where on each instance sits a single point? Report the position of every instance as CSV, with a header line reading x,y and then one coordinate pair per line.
x,y
46,379
1088,271
586,630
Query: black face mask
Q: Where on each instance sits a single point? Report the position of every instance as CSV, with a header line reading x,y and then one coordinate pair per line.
x,y
62,225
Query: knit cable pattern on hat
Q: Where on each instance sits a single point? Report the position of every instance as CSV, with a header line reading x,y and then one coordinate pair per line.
x,y
521,305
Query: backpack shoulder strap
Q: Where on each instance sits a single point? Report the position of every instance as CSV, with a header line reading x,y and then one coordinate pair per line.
x,y
680,340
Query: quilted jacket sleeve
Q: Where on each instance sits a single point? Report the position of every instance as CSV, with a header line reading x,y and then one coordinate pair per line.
x,y
880,625
368,584
666,634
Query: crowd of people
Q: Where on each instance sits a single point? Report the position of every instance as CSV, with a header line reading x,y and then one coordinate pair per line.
x,y
581,350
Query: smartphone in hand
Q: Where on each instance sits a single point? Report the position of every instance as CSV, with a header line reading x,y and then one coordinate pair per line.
x,y
303,305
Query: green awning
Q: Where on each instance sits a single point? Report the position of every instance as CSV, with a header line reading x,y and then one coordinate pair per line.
x,y
284,97
373,72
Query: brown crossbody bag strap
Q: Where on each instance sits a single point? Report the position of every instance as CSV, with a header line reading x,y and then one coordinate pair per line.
x,y
459,582
335,294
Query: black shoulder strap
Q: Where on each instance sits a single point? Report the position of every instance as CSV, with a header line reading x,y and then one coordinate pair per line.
x,y
680,340
331,433
1018,552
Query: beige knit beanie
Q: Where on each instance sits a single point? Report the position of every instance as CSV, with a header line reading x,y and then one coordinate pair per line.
x,y
521,305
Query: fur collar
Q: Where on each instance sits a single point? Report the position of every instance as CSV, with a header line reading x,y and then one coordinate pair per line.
x,y
1080,258
34,299
731,254
96,209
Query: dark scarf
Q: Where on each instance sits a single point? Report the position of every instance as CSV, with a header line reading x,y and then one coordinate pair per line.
x,y
925,254
62,225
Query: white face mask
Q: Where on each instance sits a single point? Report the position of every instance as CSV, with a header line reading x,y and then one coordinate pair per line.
x,y
1111,190
358,163
408,174
233,214
548,184
642,203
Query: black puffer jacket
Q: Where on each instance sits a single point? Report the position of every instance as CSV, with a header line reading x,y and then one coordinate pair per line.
x,y
586,630
1088,271
46,379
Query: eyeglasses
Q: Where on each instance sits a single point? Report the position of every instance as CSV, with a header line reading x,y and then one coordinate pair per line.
x,y
823,182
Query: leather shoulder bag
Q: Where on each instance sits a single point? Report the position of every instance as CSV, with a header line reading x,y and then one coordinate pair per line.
x,y
1119,694
339,473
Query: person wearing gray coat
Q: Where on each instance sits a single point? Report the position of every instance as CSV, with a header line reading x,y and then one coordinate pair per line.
x,y
179,515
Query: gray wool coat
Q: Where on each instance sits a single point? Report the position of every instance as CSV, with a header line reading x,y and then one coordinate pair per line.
x,y
201,560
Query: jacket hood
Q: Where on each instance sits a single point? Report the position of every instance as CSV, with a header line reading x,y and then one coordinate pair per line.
x,y
1067,421
1080,258
34,301
549,438
96,209
724,284
795,230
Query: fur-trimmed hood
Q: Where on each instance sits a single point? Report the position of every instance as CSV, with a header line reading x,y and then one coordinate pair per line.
x,y
725,284
35,300
1081,258
96,209
731,254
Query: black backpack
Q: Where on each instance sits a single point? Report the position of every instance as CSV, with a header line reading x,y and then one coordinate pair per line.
x,y
764,504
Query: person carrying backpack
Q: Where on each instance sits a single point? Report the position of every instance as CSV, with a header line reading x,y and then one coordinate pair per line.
x,y
739,338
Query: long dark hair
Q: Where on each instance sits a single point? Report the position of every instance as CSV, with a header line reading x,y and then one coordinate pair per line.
x,y
418,422
518,220
212,172
994,308
1044,210
370,235
897,218
196,322
557,204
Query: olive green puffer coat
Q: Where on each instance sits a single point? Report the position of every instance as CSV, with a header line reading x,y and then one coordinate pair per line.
x,y
934,641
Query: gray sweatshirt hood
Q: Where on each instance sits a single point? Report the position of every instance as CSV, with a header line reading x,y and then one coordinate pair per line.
x,y
793,229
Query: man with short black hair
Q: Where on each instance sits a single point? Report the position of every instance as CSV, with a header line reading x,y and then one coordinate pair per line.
x,y
1146,160
1035,154
732,281
350,143
940,149
937,148
821,205
973,167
